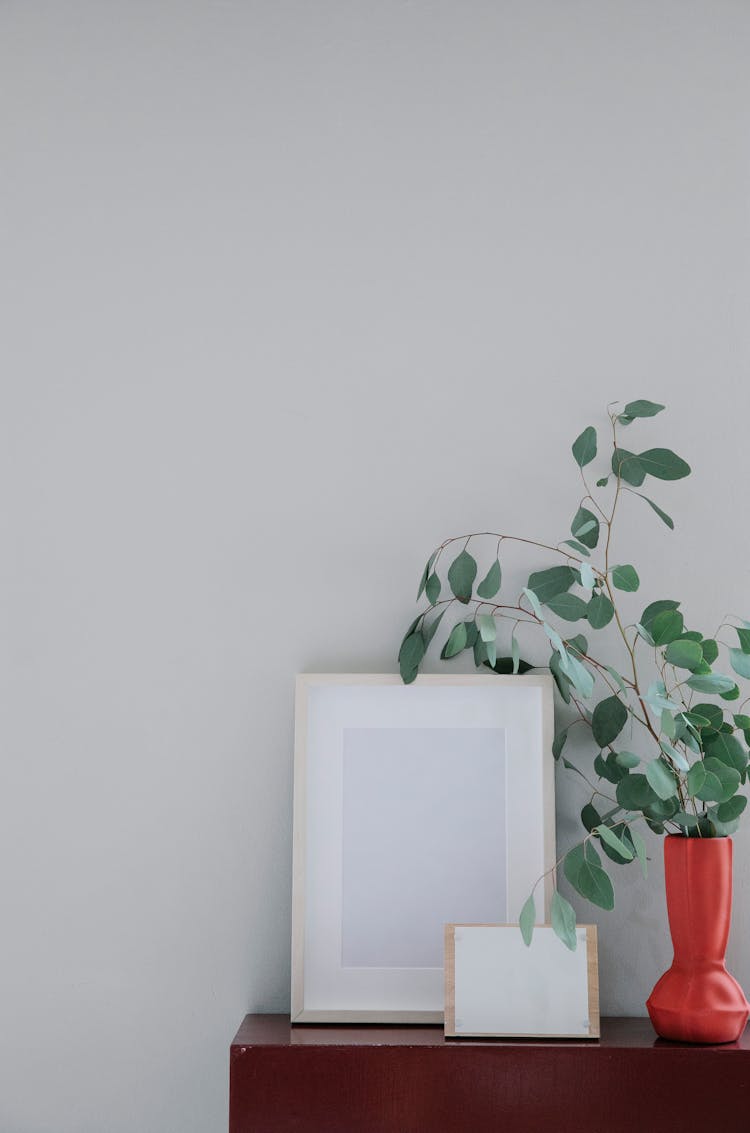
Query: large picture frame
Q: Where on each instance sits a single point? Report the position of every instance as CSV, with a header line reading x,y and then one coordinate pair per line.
x,y
414,806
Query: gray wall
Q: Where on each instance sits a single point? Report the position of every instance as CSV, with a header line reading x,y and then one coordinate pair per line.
x,y
290,292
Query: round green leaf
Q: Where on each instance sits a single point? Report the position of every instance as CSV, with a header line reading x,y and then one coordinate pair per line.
x,y
432,589
600,611
456,642
727,749
626,578
666,627
569,607
490,584
585,527
628,467
584,447
684,654
740,662
564,921
549,583
642,408
712,682
635,792
661,779
461,575
663,464
614,842
487,627
608,720
411,653
527,920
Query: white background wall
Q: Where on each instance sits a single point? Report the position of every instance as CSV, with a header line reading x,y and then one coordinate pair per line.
x,y
290,292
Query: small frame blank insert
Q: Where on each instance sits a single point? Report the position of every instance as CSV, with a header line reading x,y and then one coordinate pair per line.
x,y
496,987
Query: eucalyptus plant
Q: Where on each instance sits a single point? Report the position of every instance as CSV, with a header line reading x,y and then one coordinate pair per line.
x,y
697,757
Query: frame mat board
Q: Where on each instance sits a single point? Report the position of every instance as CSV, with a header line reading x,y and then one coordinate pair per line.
x,y
497,987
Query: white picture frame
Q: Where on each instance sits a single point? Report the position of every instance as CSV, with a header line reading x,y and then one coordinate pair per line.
x,y
498,987
414,805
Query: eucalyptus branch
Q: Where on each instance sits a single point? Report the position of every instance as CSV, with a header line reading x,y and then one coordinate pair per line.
x,y
694,764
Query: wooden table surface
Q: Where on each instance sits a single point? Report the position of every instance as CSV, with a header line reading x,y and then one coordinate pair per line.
x,y
365,1079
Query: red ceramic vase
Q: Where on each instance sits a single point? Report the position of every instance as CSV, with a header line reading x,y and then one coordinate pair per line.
x,y
697,1001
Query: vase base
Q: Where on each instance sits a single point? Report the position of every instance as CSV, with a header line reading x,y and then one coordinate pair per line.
x,y
708,1010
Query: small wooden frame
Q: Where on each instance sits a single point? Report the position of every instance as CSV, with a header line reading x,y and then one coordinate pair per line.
x,y
496,987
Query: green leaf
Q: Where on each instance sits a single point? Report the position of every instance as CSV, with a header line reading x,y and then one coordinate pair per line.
x,y
610,717
744,636
677,758
428,632
578,644
514,653
564,921
732,693
487,627
411,653
741,721
684,654
600,611
655,507
590,817
627,759
710,649
533,602
584,447
559,742
657,699
740,662
727,749
653,610
696,777
721,781
634,792
577,673
585,527
640,849
731,809
562,680
609,768
432,589
625,578
504,666
456,642
668,724
569,607
577,547
711,713
713,682
663,464
527,920
642,408
585,874
490,584
666,627
425,573
628,467
614,842
549,583
588,578
619,681
661,779
603,482
461,575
